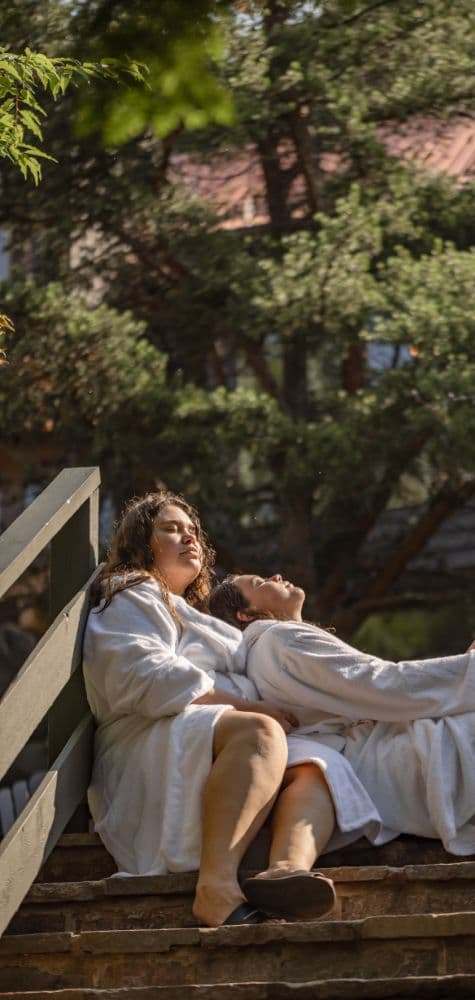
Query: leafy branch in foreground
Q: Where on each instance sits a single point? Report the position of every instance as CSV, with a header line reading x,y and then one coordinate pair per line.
x,y
22,78
6,326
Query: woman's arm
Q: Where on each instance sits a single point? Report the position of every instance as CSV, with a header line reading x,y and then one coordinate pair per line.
x,y
214,696
299,665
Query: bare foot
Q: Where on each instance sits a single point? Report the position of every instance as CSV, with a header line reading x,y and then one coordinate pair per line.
x,y
279,870
214,903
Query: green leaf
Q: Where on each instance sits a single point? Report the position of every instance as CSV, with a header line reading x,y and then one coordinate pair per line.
x,y
31,122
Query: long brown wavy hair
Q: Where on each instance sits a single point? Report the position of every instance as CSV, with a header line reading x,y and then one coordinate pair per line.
x,y
130,558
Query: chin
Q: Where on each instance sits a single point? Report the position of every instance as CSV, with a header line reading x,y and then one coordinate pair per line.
x,y
194,575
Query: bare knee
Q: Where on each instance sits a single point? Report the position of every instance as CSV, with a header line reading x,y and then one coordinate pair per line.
x,y
266,734
249,733
306,774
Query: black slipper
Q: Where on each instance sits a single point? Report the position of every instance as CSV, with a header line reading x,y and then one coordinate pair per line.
x,y
296,896
245,914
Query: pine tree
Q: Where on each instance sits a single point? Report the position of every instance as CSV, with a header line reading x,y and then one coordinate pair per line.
x,y
320,364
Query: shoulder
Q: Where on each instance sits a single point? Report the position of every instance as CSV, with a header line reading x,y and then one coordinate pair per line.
x,y
265,633
141,600
191,615
287,635
305,639
291,633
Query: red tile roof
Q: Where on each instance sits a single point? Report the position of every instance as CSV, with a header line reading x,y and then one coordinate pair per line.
x,y
233,181
441,147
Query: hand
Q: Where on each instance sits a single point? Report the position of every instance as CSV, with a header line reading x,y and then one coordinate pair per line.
x,y
287,719
471,649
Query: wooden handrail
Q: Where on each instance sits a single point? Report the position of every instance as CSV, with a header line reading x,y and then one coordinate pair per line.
x,y
65,515
42,520
42,677
40,824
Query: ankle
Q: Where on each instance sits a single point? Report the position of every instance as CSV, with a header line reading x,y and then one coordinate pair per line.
x,y
289,865
214,901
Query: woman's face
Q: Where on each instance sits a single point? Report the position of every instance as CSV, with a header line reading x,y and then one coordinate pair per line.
x,y
176,550
272,593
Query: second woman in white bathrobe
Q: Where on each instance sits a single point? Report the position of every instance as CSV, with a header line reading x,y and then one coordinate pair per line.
x,y
407,729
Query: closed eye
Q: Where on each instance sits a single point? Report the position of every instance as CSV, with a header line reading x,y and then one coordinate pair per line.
x,y
189,529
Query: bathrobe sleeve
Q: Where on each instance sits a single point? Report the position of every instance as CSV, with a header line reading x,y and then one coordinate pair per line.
x,y
300,665
130,661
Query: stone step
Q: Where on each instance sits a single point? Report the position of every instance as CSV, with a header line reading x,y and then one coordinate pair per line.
x,y
418,988
77,856
82,856
375,948
165,901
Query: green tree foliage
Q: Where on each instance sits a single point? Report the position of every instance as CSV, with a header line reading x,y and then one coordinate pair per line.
x,y
82,378
6,326
321,362
180,45
163,55
23,77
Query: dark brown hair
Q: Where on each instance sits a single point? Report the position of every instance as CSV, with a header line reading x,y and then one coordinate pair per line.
x,y
130,559
225,600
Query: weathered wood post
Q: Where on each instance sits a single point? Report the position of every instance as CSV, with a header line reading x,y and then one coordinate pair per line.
x,y
74,556
67,509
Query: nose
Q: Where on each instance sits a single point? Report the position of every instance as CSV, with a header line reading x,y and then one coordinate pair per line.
x,y
276,578
189,538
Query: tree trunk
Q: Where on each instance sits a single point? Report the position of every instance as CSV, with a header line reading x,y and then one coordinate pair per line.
x,y
277,180
354,371
308,156
295,387
295,537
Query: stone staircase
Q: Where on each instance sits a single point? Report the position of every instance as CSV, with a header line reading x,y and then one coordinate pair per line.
x,y
404,926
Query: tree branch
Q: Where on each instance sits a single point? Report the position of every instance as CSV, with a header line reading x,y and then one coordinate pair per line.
x,y
360,13
411,598
344,620
335,583
445,502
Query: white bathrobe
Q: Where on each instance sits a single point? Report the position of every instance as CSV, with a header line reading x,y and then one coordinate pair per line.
x,y
153,747
407,729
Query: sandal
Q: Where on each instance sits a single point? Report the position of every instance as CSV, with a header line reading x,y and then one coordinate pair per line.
x,y
300,895
244,914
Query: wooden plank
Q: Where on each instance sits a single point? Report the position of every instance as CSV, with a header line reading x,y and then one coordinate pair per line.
x,y
74,552
42,677
41,521
65,713
33,836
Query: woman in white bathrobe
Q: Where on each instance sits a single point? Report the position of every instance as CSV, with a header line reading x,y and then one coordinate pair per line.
x,y
407,729
188,764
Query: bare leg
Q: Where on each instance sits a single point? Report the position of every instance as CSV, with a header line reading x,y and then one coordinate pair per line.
x,y
250,759
303,820
302,823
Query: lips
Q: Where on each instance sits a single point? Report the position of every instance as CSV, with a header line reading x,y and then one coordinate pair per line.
x,y
191,551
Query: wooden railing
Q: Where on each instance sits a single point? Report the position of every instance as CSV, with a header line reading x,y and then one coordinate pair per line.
x,y
65,516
